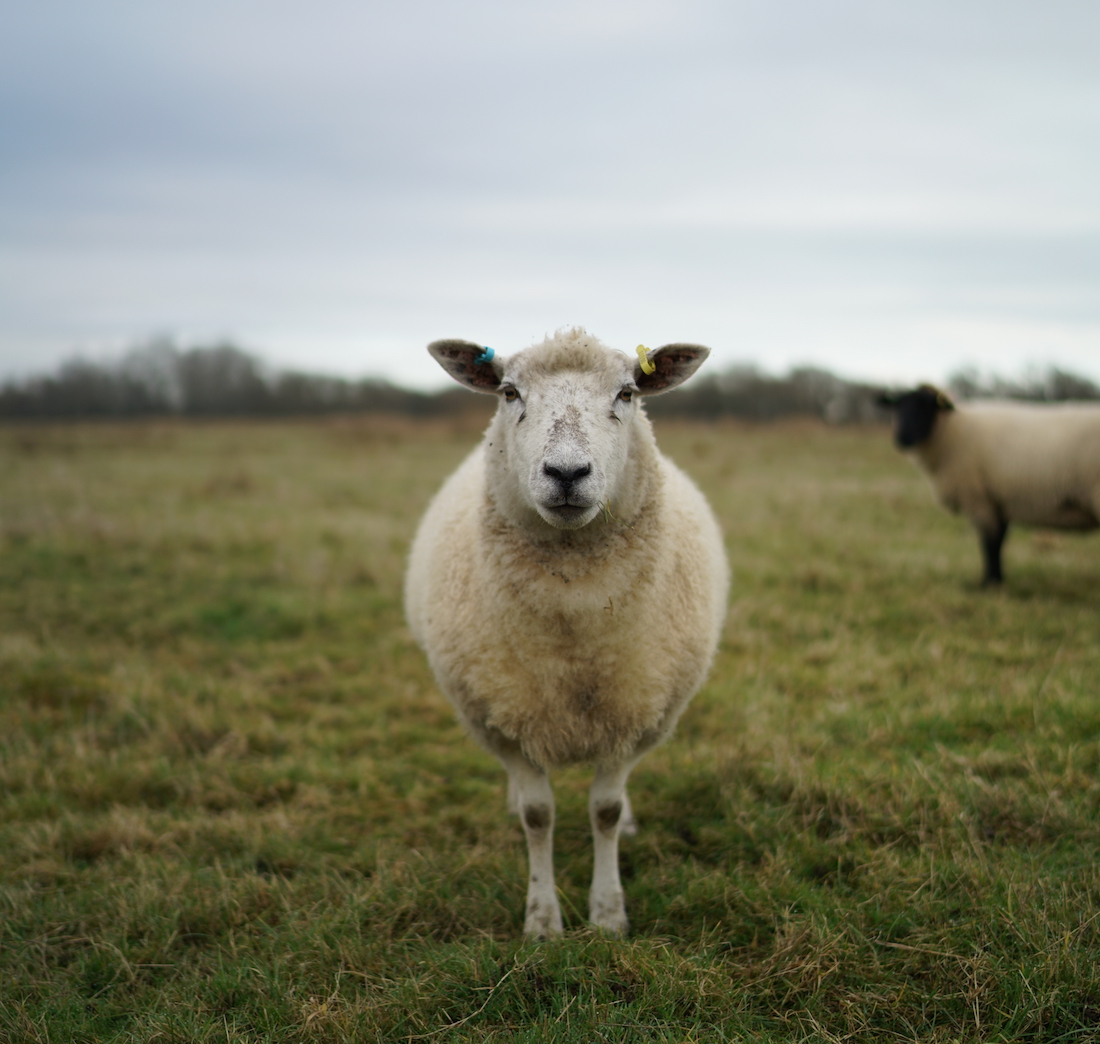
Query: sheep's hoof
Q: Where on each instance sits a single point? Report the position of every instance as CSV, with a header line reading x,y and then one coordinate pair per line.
x,y
541,932
618,928
610,919
542,922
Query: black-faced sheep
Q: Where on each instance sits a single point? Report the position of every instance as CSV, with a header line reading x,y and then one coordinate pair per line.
x,y
568,584
1003,462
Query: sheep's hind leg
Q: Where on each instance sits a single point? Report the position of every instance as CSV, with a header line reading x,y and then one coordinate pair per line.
x,y
609,811
529,790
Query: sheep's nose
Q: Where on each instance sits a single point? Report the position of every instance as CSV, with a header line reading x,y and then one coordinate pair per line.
x,y
567,476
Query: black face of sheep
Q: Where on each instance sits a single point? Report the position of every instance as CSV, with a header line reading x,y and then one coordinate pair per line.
x,y
917,411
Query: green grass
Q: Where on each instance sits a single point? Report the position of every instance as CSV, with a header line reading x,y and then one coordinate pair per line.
x,y
236,808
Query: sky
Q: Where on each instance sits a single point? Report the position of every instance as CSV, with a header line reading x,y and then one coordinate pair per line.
x,y
887,189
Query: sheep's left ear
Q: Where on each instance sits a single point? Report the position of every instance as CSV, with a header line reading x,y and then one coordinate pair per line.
x,y
672,365
470,364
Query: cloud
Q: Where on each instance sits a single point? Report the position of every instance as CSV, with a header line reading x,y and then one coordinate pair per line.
x,y
338,183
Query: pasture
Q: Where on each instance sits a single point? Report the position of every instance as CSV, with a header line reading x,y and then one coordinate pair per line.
x,y
236,809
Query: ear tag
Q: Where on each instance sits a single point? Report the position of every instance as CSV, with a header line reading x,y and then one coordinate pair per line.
x,y
643,359
485,356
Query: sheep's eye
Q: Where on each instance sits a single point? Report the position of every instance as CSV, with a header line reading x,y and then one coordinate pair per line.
x,y
510,394
626,395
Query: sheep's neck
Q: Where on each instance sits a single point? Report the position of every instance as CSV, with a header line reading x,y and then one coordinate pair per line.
x,y
605,552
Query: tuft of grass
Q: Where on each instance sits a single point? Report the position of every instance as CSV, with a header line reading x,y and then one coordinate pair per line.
x,y
233,806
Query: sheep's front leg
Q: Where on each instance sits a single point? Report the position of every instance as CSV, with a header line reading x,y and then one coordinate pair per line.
x,y
530,795
609,811
992,538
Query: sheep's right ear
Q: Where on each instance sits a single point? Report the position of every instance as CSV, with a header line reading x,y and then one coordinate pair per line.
x,y
670,366
469,364
887,400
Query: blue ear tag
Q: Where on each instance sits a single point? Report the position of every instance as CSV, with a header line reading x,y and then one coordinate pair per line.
x,y
485,356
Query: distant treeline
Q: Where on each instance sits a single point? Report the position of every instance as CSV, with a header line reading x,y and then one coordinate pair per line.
x,y
748,393
161,379
744,391
1051,385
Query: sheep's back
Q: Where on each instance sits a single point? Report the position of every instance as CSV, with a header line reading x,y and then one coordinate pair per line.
x,y
1038,464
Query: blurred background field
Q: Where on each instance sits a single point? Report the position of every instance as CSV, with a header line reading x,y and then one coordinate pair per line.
x,y
236,808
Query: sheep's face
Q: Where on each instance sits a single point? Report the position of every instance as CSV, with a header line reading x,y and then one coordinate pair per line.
x,y
917,411
560,444
565,437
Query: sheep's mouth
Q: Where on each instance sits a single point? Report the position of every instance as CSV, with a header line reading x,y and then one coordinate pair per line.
x,y
566,515
568,502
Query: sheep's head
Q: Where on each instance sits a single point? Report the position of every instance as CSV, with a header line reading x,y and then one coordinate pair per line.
x,y
562,435
917,411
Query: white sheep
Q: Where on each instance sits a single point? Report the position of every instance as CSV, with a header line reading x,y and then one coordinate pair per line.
x,y
1002,462
568,584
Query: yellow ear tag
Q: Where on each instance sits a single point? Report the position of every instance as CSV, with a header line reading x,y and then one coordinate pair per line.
x,y
643,358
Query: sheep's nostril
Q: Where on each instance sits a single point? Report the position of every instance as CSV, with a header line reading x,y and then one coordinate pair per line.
x,y
567,475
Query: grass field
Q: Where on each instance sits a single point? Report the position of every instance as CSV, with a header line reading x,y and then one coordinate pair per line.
x,y
236,808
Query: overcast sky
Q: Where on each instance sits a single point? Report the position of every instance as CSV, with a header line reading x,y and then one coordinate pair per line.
x,y
889,189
